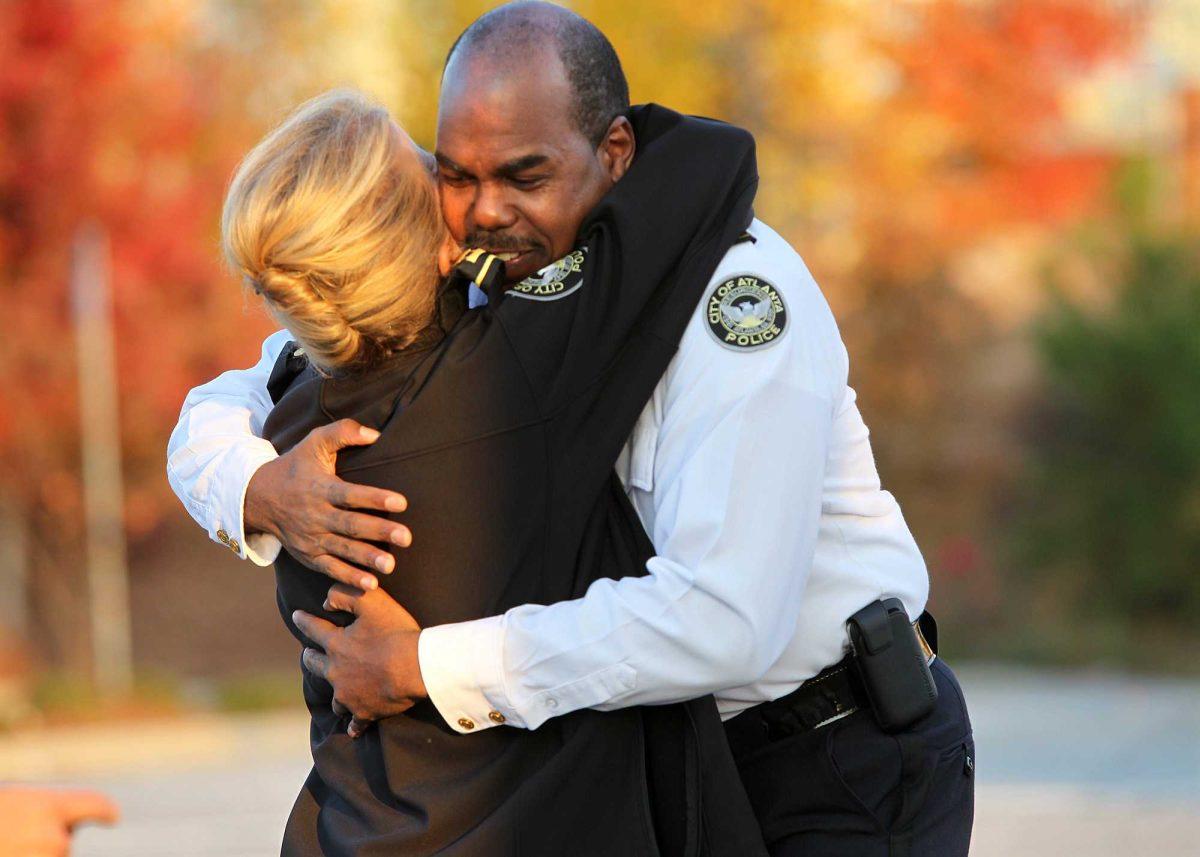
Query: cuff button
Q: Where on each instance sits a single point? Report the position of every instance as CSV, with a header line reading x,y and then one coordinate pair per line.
x,y
234,546
465,723
223,537
495,717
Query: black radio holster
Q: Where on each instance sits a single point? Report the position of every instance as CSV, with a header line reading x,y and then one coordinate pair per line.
x,y
891,665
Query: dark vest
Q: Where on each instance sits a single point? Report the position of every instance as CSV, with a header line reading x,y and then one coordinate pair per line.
x,y
501,426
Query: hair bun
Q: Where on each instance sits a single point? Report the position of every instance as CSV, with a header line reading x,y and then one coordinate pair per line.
x,y
338,230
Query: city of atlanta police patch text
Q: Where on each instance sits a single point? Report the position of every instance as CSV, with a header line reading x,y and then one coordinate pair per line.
x,y
746,313
554,281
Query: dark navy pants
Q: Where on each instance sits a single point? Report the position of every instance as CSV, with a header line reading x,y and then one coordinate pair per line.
x,y
849,789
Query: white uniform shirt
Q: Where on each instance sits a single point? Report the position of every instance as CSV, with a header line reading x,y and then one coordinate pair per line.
x,y
753,474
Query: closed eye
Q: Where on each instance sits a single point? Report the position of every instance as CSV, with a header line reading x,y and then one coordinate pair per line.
x,y
454,179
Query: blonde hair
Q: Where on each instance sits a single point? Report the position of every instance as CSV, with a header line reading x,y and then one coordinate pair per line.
x,y
337,230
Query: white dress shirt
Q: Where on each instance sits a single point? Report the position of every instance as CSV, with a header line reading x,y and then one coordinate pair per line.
x,y
753,474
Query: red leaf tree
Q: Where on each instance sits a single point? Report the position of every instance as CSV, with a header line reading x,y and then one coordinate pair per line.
x,y
108,113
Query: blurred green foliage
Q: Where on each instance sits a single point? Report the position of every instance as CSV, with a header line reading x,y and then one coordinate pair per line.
x,y
258,692
1110,530
62,696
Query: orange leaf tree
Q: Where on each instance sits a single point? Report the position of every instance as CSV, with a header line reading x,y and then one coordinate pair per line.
x,y
107,113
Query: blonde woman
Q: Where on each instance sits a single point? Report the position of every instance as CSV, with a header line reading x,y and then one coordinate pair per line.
x,y
503,425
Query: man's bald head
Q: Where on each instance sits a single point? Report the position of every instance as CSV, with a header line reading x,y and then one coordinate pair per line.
x,y
532,133
515,34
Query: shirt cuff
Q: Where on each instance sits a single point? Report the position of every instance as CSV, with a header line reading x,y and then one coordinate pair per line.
x,y
462,666
229,499
261,548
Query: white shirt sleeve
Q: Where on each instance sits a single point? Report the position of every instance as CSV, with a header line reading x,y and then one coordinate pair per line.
x,y
738,475
216,447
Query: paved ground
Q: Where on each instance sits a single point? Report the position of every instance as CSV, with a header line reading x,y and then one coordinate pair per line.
x,y
1069,766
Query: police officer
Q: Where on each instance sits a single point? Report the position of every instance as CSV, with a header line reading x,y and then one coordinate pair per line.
x,y
750,467
492,410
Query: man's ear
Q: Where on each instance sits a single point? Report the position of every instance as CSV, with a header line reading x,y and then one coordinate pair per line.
x,y
448,254
617,148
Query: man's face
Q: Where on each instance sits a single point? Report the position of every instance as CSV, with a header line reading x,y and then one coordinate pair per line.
x,y
516,175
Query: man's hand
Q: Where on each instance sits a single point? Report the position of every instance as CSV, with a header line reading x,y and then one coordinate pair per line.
x,y
372,662
299,499
39,822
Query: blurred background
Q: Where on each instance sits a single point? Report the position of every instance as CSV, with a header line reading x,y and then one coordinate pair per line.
x,y
1000,198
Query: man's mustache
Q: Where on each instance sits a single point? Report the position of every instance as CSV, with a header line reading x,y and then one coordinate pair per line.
x,y
500,241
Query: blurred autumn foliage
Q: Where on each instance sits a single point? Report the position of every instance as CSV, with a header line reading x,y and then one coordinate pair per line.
x,y
109,112
922,157
1109,521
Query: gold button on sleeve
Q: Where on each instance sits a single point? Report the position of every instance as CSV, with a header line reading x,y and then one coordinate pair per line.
x,y
495,717
465,723
223,537
234,546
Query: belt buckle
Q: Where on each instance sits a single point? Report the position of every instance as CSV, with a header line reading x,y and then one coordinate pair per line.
x,y
925,647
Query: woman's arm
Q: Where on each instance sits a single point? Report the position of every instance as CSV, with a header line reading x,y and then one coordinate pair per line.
x,y
646,250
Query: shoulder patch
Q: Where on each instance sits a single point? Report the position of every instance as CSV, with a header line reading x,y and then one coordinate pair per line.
x,y
746,313
554,281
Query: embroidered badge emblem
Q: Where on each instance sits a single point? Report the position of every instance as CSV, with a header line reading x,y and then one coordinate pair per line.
x,y
554,281
746,313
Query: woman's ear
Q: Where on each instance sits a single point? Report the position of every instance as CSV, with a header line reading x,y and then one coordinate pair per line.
x,y
617,149
448,255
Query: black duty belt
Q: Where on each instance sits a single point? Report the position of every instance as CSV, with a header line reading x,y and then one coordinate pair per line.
x,y
830,695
